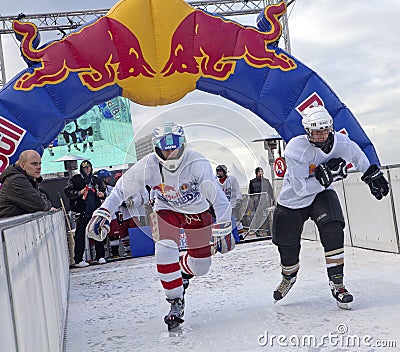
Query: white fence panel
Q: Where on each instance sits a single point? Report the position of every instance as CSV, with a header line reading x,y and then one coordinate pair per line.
x,y
371,222
6,320
26,288
36,261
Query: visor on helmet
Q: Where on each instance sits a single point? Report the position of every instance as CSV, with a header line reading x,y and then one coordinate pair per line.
x,y
169,137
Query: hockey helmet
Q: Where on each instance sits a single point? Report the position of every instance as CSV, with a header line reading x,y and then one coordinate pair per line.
x,y
222,168
169,136
103,173
318,118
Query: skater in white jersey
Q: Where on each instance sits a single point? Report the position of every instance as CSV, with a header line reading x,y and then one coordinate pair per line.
x,y
231,188
314,161
184,187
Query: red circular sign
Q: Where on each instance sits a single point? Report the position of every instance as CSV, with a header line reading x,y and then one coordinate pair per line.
x,y
280,167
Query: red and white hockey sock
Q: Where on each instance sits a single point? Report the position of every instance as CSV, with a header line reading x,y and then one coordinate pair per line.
x,y
169,270
195,266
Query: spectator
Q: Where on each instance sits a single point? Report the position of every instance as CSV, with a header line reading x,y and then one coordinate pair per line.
x,y
105,177
231,188
260,184
20,192
127,216
86,193
257,187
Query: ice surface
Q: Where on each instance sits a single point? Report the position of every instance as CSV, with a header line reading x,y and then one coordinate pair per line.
x,y
120,306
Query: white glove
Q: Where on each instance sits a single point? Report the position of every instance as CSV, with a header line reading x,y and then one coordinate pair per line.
x,y
221,229
223,244
99,225
222,238
130,203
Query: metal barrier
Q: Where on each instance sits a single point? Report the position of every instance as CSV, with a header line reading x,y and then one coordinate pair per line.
x,y
34,275
256,214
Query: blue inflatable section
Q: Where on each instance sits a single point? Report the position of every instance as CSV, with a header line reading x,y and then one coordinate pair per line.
x,y
32,119
278,97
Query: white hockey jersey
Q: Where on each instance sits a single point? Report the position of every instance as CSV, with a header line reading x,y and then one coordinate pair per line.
x,y
231,189
189,190
300,187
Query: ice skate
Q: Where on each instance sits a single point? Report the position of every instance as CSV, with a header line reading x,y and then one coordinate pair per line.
x,y
174,318
342,296
69,148
284,287
84,148
185,281
76,147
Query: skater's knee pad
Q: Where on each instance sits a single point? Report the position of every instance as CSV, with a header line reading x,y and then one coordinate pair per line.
x,y
287,227
199,266
326,208
332,236
165,250
289,255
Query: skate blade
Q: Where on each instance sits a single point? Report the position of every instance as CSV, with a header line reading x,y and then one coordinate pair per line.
x,y
346,306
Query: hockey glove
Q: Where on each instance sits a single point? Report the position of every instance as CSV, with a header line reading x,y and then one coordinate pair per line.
x,y
130,203
324,175
333,170
376,181
222,244
99,225
222,238
338,167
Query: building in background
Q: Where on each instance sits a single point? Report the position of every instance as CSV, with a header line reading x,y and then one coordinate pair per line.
x,y
144,146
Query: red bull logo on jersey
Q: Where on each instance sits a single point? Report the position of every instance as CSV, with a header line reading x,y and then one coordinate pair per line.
x,y
210,45
102,53
163,188
10,138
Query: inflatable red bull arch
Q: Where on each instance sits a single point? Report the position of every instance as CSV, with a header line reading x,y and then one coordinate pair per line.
x,y
154,52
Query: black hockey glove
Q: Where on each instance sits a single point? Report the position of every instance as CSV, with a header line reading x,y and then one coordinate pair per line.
x,y
376,181
333,170
323,174
338,167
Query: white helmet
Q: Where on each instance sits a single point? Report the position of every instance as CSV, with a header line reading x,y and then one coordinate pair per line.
x,y
316,118
169,136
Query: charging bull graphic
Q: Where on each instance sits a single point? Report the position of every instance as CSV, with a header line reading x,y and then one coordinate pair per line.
x,y
217,54
154,52
120,56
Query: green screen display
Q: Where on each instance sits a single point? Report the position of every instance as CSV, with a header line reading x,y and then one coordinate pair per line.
x,y
104,135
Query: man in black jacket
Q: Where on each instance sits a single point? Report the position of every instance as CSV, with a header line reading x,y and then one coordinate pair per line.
x,y
20,187
261,184
85,192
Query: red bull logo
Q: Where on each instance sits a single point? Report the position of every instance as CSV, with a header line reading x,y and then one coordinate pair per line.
x,y
209,45
103,53
163,188
10,138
